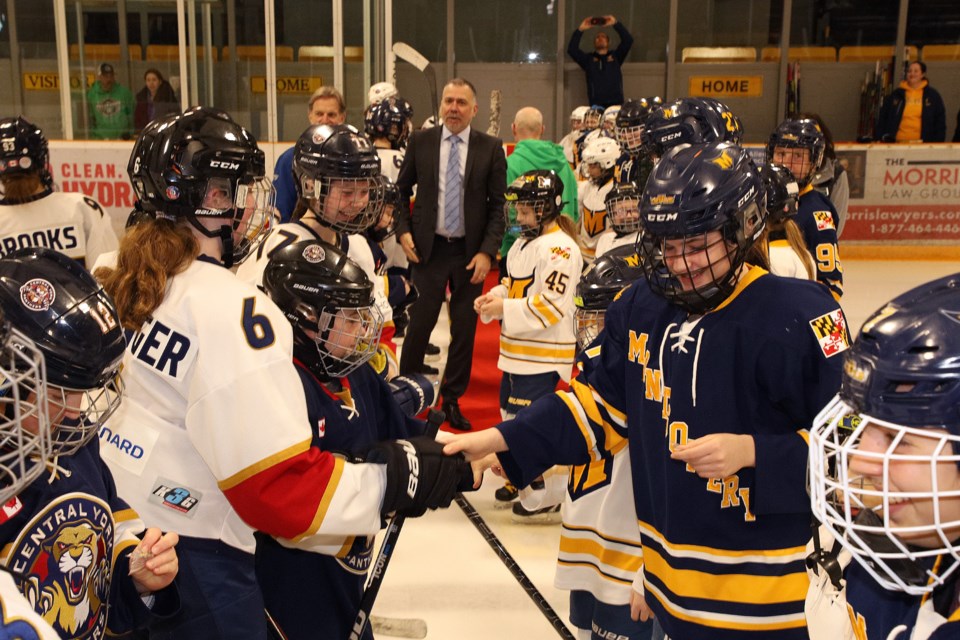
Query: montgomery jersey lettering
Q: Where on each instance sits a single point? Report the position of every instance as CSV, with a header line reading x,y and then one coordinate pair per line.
x,y
723,558
70,223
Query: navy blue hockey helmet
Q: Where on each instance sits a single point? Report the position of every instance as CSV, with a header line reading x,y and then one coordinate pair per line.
x,y
328,299
24,149
692,191
599,285
56,303
690,121
798,133
204,166
623,208
631,121
391,118
782,192
337,172
386,226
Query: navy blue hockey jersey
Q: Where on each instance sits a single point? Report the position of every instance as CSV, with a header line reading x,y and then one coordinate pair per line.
x,y
817,219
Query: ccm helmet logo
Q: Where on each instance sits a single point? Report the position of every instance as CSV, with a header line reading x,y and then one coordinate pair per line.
x,y
671,136
223,164
745,198
413,463
661,217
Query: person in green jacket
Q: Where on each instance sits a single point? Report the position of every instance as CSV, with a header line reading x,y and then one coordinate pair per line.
x,y
111,107
530,154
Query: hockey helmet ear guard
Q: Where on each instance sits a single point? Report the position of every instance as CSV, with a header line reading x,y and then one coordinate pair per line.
x,y
885,452
532,201
692,192
58,305
329,301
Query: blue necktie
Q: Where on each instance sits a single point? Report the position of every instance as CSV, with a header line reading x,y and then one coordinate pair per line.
x,y
452,215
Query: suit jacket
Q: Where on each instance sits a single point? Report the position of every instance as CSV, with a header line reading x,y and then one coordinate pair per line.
x,y
484,183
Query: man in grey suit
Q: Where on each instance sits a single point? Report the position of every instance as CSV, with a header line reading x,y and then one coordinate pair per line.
x,y
453,235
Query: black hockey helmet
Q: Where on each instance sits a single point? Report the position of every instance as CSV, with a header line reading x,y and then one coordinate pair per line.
x,y
337,173
149,196
24,417
391,118
782,192
599,284
386,226
538,191
24,149
690,121
57,304
623,208
631,121
328,299
799,133
692,191
203,165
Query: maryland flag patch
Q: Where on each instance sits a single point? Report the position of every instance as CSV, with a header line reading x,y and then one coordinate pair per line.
x,y
824,220
831,332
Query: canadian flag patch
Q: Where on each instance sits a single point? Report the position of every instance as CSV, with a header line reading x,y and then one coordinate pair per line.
x,y
831,332
11,508
321,427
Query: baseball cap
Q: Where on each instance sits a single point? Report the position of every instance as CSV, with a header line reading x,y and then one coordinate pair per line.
x,y
106,68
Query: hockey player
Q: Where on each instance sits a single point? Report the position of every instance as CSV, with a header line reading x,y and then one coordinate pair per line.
x,y
600,159
591,122
32,214
388,124
622,203
713,370
786,248
609,274
798,145
635,164
576,125
535,300
212,438
329,301
885,478
73,545
608,119
338,186
381,91
690,121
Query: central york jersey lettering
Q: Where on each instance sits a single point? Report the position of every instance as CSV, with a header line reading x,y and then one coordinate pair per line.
x,y
677,432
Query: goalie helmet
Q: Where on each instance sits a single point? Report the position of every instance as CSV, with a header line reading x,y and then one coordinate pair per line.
x,y
623,208
24,149
798,133
337,171
885,453
329,301
690,121
599,285
536,196
24,421
630,122
204,166
57,304
782,192
693,191
391,118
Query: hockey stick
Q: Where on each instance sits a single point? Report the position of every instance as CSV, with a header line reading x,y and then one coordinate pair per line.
x,y
399,627
434,419
552,617
408,54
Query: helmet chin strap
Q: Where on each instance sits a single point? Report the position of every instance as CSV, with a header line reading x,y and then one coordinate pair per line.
x,y
224,232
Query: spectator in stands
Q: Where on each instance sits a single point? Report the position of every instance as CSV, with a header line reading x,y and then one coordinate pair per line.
x,y
326,106
532,153
831,178
156,99
914,112
604,78
111,107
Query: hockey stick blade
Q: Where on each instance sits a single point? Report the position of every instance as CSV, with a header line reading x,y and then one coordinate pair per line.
x,y
531,589
408,54
399,627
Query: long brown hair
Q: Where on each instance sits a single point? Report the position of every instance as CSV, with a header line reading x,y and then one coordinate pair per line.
x,y
150,254
20,187
569,227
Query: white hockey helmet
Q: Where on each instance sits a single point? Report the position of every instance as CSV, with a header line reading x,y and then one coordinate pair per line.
x,y
601,150
381,91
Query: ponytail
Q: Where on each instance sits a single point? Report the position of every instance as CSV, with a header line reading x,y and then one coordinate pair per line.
x,y
150,254
799,246
569,227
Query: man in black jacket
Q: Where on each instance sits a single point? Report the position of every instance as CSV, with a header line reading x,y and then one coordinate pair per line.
x,y
604,78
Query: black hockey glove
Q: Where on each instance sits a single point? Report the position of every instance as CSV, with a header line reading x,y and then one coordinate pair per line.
x,y
419,475
414,393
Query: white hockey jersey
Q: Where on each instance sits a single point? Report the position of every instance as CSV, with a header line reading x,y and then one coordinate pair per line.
x,y
537,331
213,435
71,223
785,262
608,240
390,161
17,618
593,216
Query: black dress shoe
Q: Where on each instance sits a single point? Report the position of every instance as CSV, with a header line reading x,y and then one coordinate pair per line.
x,y
427,370
456,419
431,350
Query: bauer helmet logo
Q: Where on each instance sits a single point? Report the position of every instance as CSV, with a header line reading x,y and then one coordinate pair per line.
x,y
413,480
37,294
